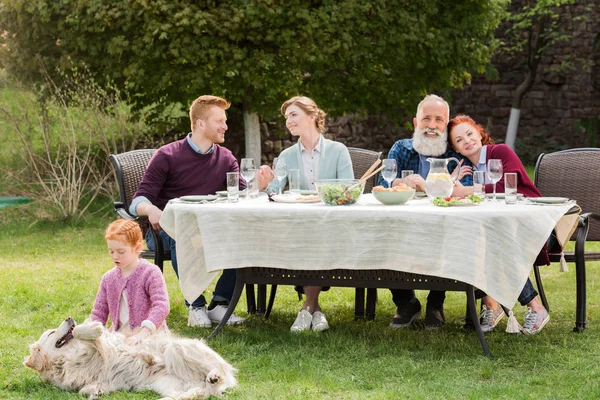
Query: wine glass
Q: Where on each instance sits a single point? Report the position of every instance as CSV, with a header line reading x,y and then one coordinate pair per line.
x,y
280,168
389,171
247,169
494,172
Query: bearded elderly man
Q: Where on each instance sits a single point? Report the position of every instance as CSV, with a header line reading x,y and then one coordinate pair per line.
x,y
430,140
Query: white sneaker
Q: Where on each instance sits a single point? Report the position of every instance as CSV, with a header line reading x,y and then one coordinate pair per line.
x,y
303,321
319,322
198,317
217,314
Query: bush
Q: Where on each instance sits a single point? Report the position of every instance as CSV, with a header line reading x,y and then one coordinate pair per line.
x,y
65,136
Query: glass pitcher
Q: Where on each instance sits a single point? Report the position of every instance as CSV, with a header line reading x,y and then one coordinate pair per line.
x,y
439,183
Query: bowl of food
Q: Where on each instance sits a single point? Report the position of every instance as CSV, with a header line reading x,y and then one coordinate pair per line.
x,y
393,196
338,192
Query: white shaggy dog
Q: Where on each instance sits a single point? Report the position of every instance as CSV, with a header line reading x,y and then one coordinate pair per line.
x,y
94,361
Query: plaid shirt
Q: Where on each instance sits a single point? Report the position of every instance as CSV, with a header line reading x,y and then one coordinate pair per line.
x,y
407,158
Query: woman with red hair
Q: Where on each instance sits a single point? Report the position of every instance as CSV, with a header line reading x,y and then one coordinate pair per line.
x,y
472,141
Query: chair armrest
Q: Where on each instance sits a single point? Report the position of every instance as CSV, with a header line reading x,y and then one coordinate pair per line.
x,y
592,215
122,211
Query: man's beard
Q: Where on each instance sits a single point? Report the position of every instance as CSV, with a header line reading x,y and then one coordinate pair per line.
x,y
430,146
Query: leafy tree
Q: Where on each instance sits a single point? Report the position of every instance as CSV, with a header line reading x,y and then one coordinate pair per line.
x,y
534,27
349,55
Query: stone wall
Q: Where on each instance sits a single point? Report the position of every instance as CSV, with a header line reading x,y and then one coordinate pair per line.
x,y
562,110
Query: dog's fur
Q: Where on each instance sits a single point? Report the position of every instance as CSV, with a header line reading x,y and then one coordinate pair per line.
x,y
92,360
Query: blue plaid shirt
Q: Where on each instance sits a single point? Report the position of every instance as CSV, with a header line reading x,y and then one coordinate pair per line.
x,y
407,158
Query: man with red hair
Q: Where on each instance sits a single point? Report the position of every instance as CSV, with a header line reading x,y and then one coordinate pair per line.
x,y
195,165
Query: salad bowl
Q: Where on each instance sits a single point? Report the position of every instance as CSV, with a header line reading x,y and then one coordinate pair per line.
x,y
338,192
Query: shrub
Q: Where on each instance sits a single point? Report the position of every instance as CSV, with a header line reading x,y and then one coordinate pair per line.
x,y
64,139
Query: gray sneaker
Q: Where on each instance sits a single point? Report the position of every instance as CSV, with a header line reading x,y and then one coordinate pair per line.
x,y
489,318
535,321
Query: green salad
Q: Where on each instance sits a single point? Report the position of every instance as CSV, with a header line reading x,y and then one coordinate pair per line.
x,y
333,193
449,201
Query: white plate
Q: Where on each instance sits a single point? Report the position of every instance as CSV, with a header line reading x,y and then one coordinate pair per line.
x,y
501,195
548,200
288,198
223,193
464,204
199,198
304,192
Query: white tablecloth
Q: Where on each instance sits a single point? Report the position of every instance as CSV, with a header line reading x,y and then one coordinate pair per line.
x,y
491,246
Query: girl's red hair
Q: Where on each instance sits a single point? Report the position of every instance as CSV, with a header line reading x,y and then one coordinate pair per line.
x,y
125,231
462,118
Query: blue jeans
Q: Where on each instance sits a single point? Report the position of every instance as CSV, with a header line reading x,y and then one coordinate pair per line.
x,y
225,284
436,298
527,294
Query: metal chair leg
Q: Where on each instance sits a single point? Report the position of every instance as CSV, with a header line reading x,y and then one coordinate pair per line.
x,y
271,301
580,318
359,303
371,303
542,293
261,299
250,299
240,281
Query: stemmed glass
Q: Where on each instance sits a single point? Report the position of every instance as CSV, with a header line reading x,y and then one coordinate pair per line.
x,y
389,171
280,171
494,169
247,169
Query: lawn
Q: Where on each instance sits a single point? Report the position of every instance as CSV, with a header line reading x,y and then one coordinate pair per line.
x,y
49,271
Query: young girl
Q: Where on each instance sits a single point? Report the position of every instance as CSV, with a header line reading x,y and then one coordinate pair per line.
x,y
134,293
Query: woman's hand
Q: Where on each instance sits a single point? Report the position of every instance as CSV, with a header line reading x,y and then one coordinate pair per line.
x,y
265,177
464,171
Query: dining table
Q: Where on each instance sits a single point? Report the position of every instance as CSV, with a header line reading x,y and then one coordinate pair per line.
x,y
490,246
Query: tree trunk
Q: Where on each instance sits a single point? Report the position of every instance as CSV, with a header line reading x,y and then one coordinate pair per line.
x,y
252,136
535,44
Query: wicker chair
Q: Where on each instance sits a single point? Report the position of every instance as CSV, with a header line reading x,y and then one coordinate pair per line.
x,y
575,174
361,161
129,170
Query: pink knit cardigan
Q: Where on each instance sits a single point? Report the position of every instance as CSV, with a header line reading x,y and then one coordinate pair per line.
x,y
146,294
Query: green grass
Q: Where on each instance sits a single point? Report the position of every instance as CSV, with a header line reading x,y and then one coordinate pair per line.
x,y
51,271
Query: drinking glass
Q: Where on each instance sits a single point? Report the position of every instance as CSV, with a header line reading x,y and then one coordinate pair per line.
x,y
294,181
233,187
280,168
494,170
247,169
405,174
510,188
389,171
255,184
479,183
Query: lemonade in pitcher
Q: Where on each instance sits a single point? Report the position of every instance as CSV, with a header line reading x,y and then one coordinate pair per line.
x,y
439,183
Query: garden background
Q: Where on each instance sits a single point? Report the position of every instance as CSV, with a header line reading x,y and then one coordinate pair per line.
x,y
81,80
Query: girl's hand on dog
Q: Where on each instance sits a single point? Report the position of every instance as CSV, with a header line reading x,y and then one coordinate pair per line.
x,y
141,335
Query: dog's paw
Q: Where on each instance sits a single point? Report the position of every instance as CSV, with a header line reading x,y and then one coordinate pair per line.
x,y
88,331
213,376
92,391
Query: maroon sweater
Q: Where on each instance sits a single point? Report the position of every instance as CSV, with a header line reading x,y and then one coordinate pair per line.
x,y
177,170
510,163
